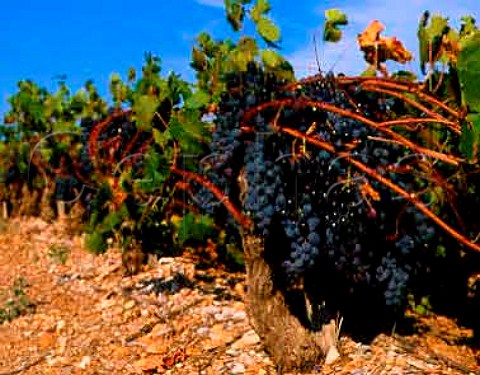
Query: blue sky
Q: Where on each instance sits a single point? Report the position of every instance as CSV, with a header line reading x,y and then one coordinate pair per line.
x,y
87,39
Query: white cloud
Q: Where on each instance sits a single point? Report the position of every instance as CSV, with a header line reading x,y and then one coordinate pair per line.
x,y
212,3
400,19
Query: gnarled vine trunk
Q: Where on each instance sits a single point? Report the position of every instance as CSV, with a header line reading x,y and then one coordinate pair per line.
x,y
292,345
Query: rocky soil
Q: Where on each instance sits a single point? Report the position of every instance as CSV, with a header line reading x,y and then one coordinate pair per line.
x,y
86,317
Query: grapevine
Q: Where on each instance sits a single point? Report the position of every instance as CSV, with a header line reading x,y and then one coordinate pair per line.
x,y
343,164
347,187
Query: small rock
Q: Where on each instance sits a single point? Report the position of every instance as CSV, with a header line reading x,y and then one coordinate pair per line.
x,y
161,330
157,347
237,368
60,325
67,370
83,364
61,344
203,331
51,360
145,313
250,338
148,364
233,352
240,289
332,355
166,260
239,316
246,359
129,304
46,340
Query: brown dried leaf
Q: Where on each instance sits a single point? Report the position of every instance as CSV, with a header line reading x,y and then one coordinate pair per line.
x,y
379,49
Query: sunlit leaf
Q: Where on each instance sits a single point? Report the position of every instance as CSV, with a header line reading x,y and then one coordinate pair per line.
x,y
235,14
199,99
199,60
145,108
334,19
239,60
468,72
132,75
260,8
248,46
271,58
371,71
470,137
336,16
268,30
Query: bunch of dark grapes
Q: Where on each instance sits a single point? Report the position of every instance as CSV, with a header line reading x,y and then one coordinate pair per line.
x,y
333,216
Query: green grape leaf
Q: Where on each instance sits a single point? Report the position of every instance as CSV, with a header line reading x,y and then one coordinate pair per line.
x,y
177,131
46,154
131,75
452,38
371,71
197,100
431,31
468,72
271,58
437,27
470,137
248,46
192,124
239,60
235,14
145,107
115,78
331,33
194,227
161,138
207,44
189,131
268,30
420,309
468,26
336,17
260,8
199,60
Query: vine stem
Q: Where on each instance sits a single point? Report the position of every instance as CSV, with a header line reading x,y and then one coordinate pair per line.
x,y
370,172
405,98
130,144
97,129
343,112
406,121
414,89
237,215
394,83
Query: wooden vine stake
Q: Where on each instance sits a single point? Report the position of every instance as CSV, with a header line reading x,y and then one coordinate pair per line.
x,y
4,210
62,216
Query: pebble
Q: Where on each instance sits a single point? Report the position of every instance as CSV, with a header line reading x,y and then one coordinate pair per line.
x,y
129,304
203,331
232,352
237,368
248,339
84,362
